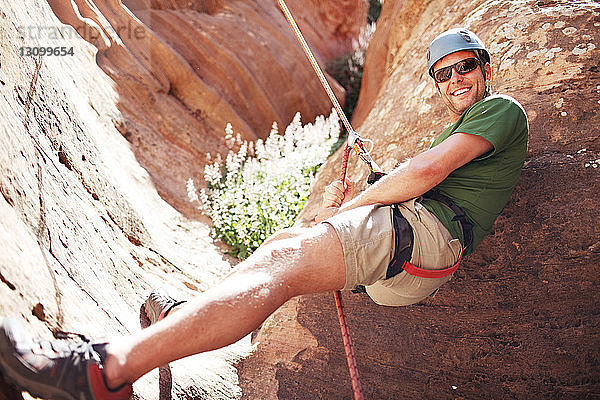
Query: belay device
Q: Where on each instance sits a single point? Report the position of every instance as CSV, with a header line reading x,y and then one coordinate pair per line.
x,y
354,140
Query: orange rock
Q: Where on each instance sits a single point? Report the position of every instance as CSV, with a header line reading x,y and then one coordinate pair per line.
x,y
520,310
183,70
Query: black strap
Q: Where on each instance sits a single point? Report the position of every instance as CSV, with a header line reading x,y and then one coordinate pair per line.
x,y
403,232
403,246
403,235
460,215
403,242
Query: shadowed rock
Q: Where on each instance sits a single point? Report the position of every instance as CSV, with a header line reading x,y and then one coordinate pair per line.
x,y
520,317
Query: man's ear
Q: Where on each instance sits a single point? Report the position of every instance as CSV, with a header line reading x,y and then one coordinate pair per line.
x,y
488,71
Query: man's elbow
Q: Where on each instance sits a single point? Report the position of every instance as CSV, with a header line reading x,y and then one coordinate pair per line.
x,y
429,172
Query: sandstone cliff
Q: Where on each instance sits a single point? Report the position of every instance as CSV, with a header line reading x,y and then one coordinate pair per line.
x,y
88,142
83,232
183,70
520,319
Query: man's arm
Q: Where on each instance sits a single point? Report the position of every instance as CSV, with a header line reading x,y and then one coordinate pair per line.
x,y
419,174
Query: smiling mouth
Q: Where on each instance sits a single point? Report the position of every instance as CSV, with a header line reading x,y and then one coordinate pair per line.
x,y
460,91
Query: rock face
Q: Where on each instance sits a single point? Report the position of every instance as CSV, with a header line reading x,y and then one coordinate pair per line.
x,y
89,140
520,319
183,70
84,235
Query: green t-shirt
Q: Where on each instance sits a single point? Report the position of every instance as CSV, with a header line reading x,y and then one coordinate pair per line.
x,y
482,186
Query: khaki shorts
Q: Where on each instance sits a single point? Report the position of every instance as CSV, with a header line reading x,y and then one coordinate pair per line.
x,y
367,237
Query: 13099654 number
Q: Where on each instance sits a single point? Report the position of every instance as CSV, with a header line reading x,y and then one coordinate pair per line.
x,y
46,51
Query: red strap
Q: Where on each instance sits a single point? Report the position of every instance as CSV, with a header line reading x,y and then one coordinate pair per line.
x,y
432,273
97,384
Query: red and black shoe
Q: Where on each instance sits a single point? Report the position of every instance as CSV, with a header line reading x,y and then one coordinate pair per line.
x,y
58,369
159,304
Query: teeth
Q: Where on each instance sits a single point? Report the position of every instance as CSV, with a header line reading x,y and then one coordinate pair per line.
x,y
460,91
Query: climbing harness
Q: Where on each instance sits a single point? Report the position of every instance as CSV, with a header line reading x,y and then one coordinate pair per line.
x,y
404,237
404,240
358,144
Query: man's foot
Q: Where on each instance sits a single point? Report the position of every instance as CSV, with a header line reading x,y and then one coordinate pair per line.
x,y
159,304
57,369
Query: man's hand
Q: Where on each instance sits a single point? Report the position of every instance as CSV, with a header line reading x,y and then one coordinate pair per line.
x,y
334,196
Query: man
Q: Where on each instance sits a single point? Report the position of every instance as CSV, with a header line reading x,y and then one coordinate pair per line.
x,y
399,239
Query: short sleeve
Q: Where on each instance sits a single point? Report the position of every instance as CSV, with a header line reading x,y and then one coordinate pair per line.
x,y
498,119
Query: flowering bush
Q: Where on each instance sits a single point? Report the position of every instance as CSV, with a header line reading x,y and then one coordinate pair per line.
x,y
263,186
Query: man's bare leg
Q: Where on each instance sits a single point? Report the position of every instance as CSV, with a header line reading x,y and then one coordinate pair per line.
x,y
279,270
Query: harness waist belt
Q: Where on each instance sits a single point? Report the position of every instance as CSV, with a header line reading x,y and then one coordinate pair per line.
x,y
459,215
404,238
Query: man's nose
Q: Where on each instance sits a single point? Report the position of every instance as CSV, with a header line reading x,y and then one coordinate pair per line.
x,y
455,77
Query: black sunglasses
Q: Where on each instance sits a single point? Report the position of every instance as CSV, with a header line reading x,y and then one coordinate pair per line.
x,y
462,67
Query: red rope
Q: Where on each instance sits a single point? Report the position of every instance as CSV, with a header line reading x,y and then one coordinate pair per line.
x,y
345,163
356,388
348,347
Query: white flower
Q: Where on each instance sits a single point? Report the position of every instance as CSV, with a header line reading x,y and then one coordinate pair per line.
x,y
263,186
191,191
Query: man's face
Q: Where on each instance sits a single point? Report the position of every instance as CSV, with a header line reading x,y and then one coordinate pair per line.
x,y
461,91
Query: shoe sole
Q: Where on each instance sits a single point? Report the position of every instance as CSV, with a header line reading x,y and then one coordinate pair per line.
x,y
33,387
148,314
162,315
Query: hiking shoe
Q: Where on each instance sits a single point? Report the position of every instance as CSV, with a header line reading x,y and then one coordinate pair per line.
x,y
159,304
58,369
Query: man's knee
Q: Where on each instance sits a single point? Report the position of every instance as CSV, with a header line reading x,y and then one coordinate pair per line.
x,y
286,233
311,260
286,246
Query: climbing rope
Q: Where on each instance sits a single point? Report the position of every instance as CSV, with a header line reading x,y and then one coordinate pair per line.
x,y
354,142
339,305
